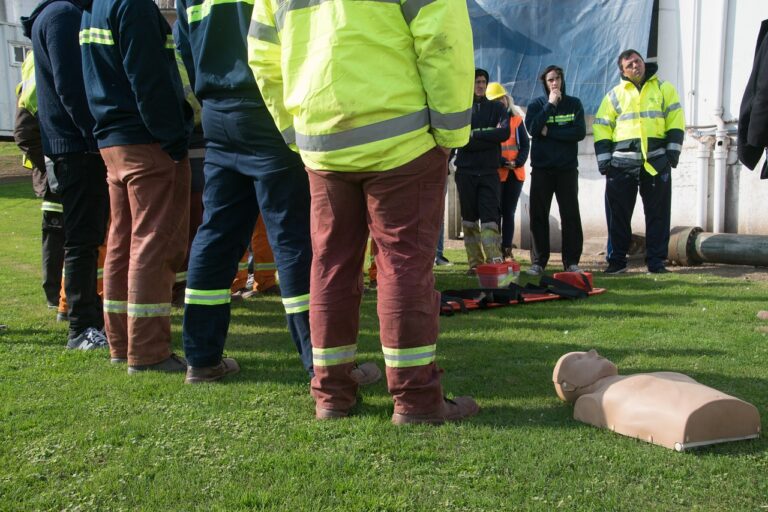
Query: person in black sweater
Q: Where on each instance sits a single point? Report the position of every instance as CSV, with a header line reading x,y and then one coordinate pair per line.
x,y
66,126
556,124
477,180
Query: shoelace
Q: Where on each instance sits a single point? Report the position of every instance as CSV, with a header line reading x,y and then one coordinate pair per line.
x,y
96,338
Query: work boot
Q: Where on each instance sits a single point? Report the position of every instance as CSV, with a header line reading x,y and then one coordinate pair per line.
x,y
507,253
456,409
490,239
200,374
365,374
173,364
472,244
329,414
90,339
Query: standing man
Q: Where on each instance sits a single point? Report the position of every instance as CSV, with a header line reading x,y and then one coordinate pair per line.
x,y
753,116
26,134
376,163
556,124
639,130
249,170
66,126
143,124
477,180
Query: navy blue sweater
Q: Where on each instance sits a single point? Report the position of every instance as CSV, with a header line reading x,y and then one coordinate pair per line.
x,y
134,87
217,39
559,149
66,124
490,127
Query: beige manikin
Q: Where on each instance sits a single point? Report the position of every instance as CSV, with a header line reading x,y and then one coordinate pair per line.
x,y
664,408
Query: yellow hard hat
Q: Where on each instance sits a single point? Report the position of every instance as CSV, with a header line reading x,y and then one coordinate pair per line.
x,y
495,91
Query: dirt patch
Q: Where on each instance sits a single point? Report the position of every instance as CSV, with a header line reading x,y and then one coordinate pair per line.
x,y
11,170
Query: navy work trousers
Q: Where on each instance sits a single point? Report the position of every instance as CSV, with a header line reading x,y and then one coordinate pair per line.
x,y
248,169
621,187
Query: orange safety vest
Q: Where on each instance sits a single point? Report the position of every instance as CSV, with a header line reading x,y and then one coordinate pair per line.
x,y
509,150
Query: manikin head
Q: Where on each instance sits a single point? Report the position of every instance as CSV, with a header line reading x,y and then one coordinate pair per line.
x,y
577,370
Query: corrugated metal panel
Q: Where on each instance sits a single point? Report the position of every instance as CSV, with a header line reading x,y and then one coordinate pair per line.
x,y
11,36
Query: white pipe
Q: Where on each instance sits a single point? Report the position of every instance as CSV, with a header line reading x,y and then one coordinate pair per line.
x,y
702,172
692,83
720,154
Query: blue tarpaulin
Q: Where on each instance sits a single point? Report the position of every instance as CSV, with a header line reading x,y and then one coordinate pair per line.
x,y
516,39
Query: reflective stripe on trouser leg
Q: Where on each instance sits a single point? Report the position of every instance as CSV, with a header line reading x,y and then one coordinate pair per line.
x,y
297,316
490,239
472,244
409,357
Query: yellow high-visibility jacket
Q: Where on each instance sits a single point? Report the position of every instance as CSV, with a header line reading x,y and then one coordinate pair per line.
x,y
26,90
639,128
364,85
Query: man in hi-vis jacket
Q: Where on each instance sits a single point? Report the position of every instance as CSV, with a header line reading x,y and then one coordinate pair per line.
x,y
376,163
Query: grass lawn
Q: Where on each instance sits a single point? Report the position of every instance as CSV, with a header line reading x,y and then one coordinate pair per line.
x,y
76,433
9,149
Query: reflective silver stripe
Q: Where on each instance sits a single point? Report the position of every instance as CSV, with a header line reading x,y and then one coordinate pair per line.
x,y
628,155
615,101
289,135
646,114
674,106
604,157
603,122
293,5
364,134
50,206
411,9
149,310
263,32
196,153
452,121
672,146
656,152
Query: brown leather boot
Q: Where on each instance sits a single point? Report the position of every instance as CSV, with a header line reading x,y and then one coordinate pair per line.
x,y
197,375
365,374
455,409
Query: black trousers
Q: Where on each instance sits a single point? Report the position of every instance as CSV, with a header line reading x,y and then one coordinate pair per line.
x,y
621,187
564,185
479,196
53,252
82,184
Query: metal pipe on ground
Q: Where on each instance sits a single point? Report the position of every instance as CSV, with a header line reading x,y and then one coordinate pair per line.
x,y
690,245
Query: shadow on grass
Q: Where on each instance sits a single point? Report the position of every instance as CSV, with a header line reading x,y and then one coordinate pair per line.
x,y
16,188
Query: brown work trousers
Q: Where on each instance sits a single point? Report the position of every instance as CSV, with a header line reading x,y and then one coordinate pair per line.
x,y
149,200
402,209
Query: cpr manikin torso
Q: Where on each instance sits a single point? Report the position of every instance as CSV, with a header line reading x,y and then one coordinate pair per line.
x,y
664,408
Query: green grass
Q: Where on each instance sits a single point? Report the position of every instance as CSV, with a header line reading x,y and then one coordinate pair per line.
x,y
76,433
9,149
